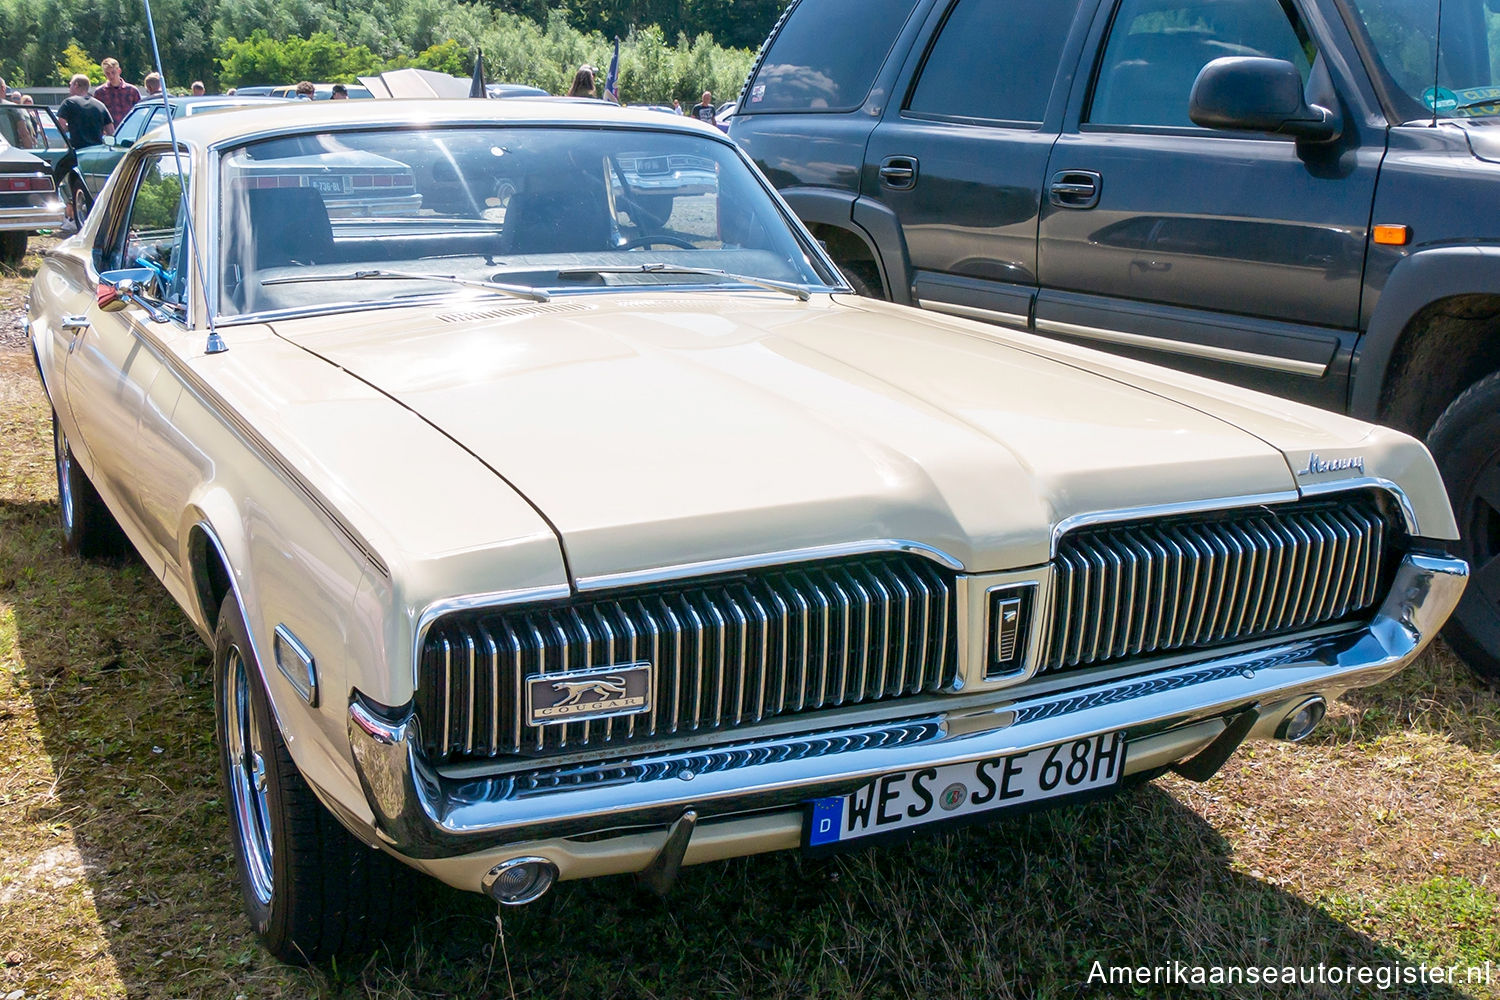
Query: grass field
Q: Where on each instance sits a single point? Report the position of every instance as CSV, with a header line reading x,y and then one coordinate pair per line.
x,y
1376,843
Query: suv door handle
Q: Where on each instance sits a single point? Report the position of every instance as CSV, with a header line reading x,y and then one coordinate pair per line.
x,y
1074,188
899,172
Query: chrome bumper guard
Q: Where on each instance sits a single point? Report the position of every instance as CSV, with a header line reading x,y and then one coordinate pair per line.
x,y
423,814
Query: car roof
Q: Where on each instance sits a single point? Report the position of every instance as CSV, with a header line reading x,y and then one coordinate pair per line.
x,y
283,116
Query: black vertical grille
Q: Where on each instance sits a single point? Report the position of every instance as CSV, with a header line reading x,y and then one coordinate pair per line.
x,y
726,652
1146,587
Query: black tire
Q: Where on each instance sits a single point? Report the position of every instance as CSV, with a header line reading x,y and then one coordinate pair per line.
x,y
1466,443
79,199
12,248
89,530
862,277
311,890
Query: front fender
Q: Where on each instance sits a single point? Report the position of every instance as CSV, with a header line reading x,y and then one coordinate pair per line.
x,y
868,221
1425,277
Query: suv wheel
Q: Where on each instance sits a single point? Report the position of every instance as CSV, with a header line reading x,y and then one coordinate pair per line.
x,y
1466,443
862,277
310,889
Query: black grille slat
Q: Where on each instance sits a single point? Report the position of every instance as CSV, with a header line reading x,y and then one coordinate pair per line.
x,y
727,653
1144,588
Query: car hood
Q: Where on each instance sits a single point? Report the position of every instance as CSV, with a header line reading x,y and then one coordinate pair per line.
x,y
658,430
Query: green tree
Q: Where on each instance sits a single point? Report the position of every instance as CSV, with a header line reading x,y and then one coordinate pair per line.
x,y
75,60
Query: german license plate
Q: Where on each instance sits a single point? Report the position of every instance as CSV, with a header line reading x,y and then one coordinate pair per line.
x,y
897,802
328,185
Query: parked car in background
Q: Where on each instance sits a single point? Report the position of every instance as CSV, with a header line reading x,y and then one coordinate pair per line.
x,y
95,163
545,541
724,114
321,91
1296,195
514,90
28,195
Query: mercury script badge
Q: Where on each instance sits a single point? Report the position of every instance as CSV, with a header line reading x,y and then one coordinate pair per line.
x,y
1316,464
582,695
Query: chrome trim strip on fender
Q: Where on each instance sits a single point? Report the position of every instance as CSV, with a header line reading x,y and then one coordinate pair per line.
x,y
974,312
762,560
423,814
1248,358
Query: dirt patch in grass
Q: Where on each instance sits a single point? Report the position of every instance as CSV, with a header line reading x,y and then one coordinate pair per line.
x,y
1375,844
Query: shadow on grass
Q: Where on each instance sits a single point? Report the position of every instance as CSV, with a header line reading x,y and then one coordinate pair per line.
x,y
120,687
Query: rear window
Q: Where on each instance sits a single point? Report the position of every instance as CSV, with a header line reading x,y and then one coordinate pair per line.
x,y
826,55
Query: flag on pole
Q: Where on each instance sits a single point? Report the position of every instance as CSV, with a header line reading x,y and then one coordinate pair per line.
x,y
612,78
476,83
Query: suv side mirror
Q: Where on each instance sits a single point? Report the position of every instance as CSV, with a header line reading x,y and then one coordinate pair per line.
x,y
1255,94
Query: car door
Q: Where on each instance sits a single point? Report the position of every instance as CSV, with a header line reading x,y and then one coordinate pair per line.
x,y
96,163
114,360
961,156
1235,255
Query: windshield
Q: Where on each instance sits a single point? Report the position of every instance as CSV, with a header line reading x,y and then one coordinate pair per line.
x,y
550,209
1463,81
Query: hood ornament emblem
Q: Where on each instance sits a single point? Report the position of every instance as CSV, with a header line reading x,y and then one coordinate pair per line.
x,y
1317,464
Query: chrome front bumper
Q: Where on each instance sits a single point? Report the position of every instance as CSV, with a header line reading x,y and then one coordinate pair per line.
x,y
422,814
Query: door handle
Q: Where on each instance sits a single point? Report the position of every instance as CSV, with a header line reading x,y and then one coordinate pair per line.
x,y
899,172
1074,188
76,325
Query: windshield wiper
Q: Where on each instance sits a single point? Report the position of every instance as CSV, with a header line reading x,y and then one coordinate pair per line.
x,y
787,288
1478,104
519,291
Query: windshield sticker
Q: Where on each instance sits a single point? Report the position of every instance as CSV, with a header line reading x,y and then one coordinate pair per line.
x,y
1439,99
1477,101
757,93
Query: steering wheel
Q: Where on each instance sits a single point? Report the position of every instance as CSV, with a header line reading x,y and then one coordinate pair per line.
x,y
641,242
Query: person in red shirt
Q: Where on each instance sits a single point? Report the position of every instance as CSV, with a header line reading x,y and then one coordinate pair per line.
x,y
114,93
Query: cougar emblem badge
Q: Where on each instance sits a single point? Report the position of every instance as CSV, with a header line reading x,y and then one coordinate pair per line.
x,y
582,695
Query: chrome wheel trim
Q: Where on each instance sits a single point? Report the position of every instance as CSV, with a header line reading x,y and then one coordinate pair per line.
x,y
64,477
247,778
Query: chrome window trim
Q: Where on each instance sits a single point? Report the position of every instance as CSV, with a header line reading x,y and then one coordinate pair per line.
x,y
1248,358
733,564
1013,320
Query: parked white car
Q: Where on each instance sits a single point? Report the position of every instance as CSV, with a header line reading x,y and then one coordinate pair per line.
x,y
550,539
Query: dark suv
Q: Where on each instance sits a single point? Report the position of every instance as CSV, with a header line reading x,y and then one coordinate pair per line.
x,y
1302,196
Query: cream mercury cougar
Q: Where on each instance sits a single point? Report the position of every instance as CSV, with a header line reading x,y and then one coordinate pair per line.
x,y
562,528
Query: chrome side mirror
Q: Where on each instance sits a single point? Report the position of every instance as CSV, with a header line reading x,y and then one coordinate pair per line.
x,y
129,286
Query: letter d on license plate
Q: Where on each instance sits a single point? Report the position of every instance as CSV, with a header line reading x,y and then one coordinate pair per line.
x,y
902,800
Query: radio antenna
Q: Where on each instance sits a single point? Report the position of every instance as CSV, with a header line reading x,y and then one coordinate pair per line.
x,y
215,343
1437,60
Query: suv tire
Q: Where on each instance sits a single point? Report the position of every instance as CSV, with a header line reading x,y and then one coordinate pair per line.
x,y
1466,443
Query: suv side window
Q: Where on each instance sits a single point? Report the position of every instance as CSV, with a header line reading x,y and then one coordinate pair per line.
x,y
994,61
154,234
1157,47
826,55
